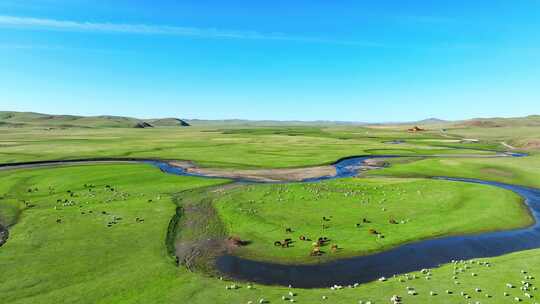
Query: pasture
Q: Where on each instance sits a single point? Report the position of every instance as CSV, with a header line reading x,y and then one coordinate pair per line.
x,y
103,233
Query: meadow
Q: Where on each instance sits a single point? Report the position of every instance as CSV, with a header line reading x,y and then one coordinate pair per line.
x,y
233,147
102,233
347,211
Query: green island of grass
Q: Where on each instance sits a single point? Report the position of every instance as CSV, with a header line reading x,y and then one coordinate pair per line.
x,y
349,212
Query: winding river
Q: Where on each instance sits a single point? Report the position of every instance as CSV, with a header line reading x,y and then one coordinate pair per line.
x,y
402,259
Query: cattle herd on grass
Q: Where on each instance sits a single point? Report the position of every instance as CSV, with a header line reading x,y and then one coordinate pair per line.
x,y
321,191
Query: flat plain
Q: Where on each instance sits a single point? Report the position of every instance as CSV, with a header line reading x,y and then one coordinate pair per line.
x,y
109,233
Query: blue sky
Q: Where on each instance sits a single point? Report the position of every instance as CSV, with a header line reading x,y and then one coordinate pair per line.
x,y
380,60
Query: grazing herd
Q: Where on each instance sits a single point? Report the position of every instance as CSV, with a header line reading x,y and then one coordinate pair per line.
x,y
323,240
315,251
316,192
80,199
455,294
524,291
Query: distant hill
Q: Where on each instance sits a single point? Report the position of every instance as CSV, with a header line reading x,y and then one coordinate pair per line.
x,y
431,121
20,119
497,122
428,121
263,123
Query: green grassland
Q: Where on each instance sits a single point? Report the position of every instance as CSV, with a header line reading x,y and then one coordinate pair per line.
x,y
421,209
514,170
95,244
82,260
217,147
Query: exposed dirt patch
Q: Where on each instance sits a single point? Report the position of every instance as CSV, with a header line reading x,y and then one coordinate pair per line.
x,y
497,172
375,162
266,175
196,253
182,164
234,242
481,123
200,235
532,144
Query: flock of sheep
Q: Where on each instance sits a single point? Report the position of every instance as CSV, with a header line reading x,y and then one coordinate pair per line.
x,y
319,191
73,199
460,268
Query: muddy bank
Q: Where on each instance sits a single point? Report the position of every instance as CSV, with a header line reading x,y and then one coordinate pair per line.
x,y
268,175
190,168
196,234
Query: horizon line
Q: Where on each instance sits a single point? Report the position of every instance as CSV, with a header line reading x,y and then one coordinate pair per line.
x,y
281,120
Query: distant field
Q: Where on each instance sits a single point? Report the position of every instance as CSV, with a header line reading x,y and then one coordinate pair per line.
x,y
223,148
523,171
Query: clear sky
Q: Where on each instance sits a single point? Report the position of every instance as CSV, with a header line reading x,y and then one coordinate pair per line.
x,y
379,60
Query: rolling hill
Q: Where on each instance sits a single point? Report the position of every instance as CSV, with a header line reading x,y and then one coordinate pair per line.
x,y
29,119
